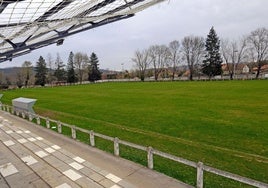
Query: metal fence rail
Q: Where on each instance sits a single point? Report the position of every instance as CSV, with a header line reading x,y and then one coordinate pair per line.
x,y
200,167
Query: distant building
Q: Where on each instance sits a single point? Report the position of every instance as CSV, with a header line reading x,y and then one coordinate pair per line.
x,y
239,69
245,69
264,69
109,75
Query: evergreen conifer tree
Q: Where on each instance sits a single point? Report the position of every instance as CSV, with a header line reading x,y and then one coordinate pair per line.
x,y
41,72
212,63
71,77
93,69
60,73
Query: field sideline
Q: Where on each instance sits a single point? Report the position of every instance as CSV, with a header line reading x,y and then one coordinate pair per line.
x,y
223,124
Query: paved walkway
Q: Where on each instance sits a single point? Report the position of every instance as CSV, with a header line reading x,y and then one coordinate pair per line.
x,y
33,156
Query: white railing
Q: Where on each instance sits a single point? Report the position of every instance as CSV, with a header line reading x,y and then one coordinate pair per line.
x,y
150,151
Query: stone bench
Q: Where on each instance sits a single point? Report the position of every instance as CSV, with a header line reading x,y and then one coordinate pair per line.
x,y
23,104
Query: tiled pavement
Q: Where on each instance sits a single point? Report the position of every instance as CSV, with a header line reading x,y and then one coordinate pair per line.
x,y
30,157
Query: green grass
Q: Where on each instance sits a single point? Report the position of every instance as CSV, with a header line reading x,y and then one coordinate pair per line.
x,y
223,124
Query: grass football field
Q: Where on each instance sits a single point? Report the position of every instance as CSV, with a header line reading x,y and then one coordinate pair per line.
x,y
224,124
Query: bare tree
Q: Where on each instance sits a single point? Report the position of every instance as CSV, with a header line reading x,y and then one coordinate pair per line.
x,y
26,72
142,62
226,51
174,48
159,55
258,41
85,64
238,52
50,76
80,64
60,72
152,52
166,54
20,79
193,50
233,53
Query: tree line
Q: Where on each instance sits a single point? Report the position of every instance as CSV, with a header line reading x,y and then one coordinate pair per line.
x,y
204,56
201,57
79,68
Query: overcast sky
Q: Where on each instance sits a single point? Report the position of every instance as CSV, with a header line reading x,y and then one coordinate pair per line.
x,y
171,20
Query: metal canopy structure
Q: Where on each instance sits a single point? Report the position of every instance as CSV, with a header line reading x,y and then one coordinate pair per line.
x,y
26,25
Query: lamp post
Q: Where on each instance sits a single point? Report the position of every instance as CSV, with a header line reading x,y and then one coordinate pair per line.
x,y
122,71
234,60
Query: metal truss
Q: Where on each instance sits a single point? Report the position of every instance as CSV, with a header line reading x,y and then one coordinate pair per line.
x,y
26,25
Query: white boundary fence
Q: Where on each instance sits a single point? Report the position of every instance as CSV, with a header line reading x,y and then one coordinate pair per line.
x,y
200,167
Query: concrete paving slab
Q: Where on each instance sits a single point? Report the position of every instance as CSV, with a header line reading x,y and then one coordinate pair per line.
x,y
40,183
67,153
31,146
41,154
60,161
9,131
41,144
49,150
76,165
9,143
96,177
64,185
63,157
22,140
79,159
87,171
8,169
64,180
31,178
113,178
56,147
103,173
85,182
29,160
39,138
124,183
72,174
115,186
3,183
106,183
31,139
18,180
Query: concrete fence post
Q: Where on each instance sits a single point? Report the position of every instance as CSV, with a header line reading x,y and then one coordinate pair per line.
x,y
17,113
12,111
59,127
47,123
199,181
8,109
92,138
38,120
23,115
73,133
150,157
30,117
116,146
